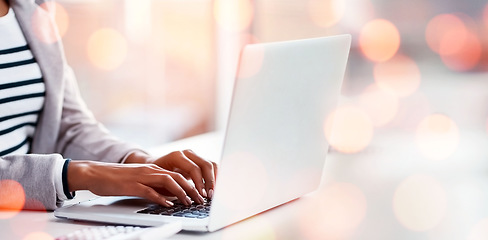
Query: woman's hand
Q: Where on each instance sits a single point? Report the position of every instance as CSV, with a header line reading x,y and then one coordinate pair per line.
x,y
202,172
143,180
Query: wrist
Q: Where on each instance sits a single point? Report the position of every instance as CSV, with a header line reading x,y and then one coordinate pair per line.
x,y
138,157
78,175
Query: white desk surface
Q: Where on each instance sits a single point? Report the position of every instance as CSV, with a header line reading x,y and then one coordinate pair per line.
x,y
355,201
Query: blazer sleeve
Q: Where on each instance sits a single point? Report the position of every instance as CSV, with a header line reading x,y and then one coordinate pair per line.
x,y
81,136
35,173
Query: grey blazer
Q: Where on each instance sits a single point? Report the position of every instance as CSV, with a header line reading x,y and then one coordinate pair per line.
x,y
66,128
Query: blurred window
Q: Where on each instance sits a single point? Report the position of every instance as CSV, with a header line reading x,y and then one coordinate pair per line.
x,y
146,68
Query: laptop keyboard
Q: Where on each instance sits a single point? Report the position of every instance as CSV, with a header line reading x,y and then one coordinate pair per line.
x,y
179,210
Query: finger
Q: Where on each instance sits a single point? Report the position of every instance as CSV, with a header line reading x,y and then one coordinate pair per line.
x,y
216,170
166,181
195,172
189,188
150,194
207,169
183,173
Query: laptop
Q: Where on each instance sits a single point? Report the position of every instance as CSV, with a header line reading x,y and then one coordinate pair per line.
x,y
274,146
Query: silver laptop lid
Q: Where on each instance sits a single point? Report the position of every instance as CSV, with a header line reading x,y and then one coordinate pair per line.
x,y
275,145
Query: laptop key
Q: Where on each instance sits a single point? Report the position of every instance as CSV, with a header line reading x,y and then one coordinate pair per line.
x,y
179,210
144,211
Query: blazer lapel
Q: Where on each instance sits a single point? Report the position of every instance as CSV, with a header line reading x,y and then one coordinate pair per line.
x,y
35,23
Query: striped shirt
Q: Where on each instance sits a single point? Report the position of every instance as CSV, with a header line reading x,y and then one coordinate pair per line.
x,y
22,89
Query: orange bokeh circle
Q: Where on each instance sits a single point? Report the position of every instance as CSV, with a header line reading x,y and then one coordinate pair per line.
x,y
12,198
38,236
445,33
437,137
399,76
107,48
420,203
348,129
467,57
379,40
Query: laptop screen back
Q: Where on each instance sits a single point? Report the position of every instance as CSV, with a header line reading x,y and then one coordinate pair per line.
x,y
275,145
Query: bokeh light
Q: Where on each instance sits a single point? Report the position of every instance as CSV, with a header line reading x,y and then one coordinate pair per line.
x,y
445,33
107,49
479,231
420,203
437,137
379,105
379,40
334,212
467,57
38,236
12,198
348,129
253,59
399,76
326,13
235,15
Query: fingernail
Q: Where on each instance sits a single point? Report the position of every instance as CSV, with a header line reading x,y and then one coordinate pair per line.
x,y
188,200
170,203
200,199
204,193
210,193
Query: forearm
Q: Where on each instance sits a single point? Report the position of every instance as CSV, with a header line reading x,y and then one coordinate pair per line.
x,y
81,172
93,175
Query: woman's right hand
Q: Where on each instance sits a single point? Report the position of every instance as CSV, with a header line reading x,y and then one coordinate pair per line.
x,y
142,180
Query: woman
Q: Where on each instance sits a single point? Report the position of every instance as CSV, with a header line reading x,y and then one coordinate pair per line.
x,y
44,124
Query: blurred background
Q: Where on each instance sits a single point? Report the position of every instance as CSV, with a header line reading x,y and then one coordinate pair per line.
x,y
158,70
408,161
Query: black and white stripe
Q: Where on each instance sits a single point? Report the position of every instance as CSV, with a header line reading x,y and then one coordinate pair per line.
x,y
22,89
